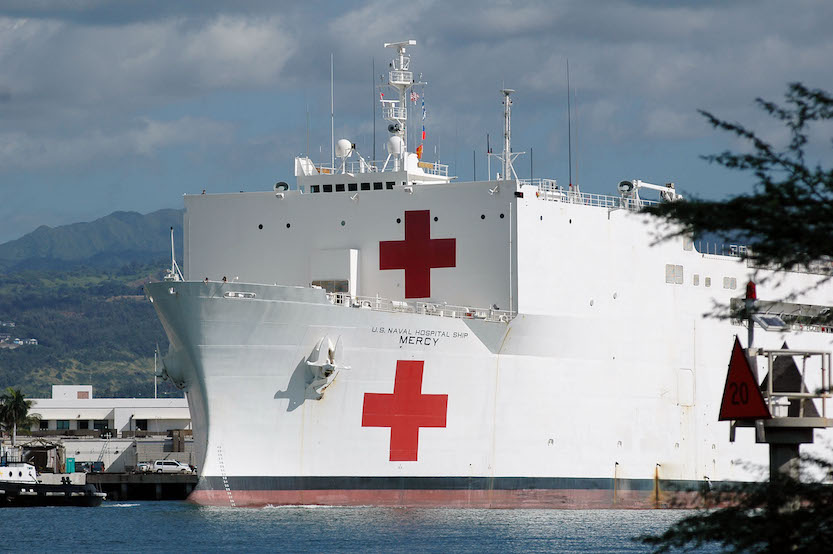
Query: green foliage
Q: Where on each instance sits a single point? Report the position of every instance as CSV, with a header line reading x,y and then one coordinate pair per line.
x,y
787,221
92,327
786,515
14,408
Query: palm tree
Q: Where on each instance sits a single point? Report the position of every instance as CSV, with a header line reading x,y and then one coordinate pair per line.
x,y
14,409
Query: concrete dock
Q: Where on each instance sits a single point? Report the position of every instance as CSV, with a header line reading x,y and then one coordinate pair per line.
x,y
144,486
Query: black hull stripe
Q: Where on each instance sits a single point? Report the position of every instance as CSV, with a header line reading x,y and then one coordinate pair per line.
x,y
291,483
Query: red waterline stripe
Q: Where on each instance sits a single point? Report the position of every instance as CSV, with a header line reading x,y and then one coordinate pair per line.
x,y
578,499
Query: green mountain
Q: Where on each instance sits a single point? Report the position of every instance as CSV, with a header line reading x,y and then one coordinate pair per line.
x,y
78,290
109,242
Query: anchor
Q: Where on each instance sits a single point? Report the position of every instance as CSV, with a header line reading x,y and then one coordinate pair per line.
x,y
325,363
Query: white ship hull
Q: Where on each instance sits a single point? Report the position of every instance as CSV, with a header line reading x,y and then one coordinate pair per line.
x,y
602,417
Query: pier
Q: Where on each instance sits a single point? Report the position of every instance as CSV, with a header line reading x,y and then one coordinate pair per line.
x,y
144,486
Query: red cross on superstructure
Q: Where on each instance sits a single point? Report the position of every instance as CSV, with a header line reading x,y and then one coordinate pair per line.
x,y
405,411
417,254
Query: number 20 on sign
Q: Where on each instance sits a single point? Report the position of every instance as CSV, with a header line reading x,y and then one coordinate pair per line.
x,y
742,398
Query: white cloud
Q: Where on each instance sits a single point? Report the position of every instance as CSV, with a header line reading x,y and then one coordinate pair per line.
x,y
145,138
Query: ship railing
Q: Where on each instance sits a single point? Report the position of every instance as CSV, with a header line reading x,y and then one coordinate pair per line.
x,y
817,267
549,191
433,168
399,77
361,166
778,401
394,112
380,304
376,166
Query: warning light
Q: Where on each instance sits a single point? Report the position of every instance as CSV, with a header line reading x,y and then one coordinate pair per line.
x,y
751,293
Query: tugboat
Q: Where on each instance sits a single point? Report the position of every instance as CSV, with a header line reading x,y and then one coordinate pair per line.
x,y
20,487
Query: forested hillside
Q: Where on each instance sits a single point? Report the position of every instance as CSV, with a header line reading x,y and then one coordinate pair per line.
x,y
77,290
108,242
91,327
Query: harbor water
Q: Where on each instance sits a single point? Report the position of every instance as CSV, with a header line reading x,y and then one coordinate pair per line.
x,y
180,526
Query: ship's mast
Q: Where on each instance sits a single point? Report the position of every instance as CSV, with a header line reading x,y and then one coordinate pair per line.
x,y
507,133
507,157
401,79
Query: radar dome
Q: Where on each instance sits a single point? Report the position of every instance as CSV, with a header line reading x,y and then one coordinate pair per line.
x,y
343,148
396,145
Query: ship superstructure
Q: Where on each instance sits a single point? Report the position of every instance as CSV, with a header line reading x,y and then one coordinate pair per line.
x,y
383,334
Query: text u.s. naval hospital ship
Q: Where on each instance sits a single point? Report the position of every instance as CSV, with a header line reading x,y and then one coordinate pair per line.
x,y
384,335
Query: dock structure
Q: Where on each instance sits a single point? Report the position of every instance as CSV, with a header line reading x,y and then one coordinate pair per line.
x,y
144,486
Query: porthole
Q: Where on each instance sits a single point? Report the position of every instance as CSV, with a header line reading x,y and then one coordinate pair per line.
x,y
501,216
260,226
482,216
399,220
342,223
288,225
541,218
571,221
436,219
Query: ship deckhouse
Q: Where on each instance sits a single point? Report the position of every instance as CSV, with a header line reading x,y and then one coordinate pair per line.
x,y
401,167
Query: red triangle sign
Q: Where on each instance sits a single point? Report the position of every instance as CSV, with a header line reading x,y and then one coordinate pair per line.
x,y
742,398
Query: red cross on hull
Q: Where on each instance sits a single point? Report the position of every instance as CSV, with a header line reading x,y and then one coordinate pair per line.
x,y
417,254
405,411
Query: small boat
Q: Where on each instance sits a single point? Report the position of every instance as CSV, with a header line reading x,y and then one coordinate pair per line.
x,y
20,487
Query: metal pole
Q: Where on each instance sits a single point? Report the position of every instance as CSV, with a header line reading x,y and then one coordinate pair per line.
x,y
488,159
332,119
373,92
569,128
154,374
507,132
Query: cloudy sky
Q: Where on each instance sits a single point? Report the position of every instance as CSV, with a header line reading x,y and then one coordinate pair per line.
x,y
127,105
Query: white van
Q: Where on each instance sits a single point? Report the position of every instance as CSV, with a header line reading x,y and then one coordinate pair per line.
x,y
171,466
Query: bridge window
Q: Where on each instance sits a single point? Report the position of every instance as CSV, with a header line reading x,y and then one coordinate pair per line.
x,y
377,186
352,187
315,188
365,186
328,188
62,424
389,185
340,187
44,425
